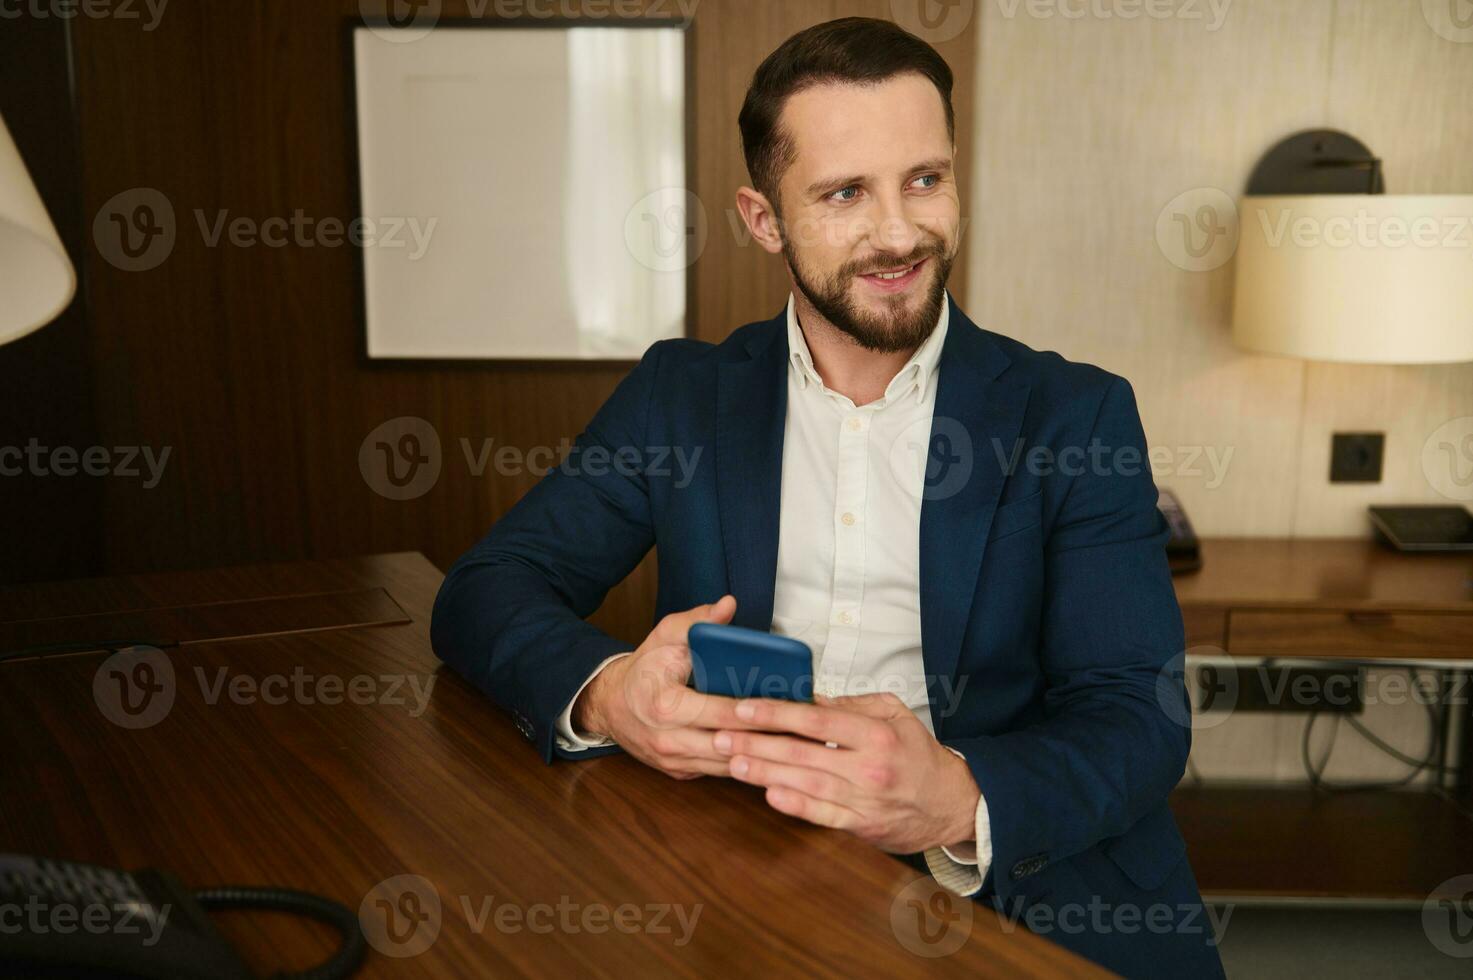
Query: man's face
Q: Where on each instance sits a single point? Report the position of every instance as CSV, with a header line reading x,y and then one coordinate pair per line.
x,y
870,215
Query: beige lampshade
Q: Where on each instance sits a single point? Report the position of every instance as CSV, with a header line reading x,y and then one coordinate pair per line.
x,y
1384,279
36,277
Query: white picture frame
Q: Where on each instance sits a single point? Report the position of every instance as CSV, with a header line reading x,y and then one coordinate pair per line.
x,y
522,190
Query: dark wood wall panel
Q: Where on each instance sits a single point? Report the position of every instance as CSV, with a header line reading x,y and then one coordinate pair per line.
x,y
50,525
246,361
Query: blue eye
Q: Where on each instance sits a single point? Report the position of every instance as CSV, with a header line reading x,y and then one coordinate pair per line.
x,y
845,194
933,178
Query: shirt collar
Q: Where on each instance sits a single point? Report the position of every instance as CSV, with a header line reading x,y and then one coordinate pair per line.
x,y
920,370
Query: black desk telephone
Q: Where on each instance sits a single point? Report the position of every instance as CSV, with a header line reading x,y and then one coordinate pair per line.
x,y
61,919
1183,553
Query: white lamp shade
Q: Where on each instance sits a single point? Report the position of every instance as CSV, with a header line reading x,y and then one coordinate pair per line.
x,y
36,277
1384,279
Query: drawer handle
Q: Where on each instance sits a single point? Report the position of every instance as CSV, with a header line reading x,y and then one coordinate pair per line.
x,y
1369,618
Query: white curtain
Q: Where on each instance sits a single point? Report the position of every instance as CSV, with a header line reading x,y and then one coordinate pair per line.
x,y
625,210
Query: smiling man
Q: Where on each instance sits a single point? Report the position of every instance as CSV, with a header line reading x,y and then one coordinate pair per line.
x,y
939,512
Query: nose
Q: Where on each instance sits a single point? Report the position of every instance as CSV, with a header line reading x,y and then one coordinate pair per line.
x,y
895,232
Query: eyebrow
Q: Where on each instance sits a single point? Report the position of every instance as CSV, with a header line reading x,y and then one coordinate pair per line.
x,y
837,183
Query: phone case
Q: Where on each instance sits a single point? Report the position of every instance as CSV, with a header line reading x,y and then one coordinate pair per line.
x,y
743,663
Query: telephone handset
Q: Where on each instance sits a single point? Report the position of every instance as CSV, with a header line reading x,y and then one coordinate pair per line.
x,y
1183,552
59,916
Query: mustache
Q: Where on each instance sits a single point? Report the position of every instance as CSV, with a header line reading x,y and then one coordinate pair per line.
x,y
885,261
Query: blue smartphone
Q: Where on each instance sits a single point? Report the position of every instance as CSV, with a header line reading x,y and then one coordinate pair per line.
x,y
741,663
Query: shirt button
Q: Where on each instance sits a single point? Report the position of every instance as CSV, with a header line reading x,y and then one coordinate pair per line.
x,y
845,618
848,519
855,424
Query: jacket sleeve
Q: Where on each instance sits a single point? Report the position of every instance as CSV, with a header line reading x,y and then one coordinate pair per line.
x,y
1108,750
509,616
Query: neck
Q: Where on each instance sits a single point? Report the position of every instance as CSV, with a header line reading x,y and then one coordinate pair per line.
x,y
857,373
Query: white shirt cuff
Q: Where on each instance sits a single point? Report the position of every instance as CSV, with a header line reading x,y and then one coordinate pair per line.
x,y
571,741
961,868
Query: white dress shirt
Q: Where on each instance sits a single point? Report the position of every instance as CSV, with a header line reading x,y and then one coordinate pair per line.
x,y
848,558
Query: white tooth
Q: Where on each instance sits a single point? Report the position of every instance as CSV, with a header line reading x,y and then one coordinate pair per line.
x,y
893,275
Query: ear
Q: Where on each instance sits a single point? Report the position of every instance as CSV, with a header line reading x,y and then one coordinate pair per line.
x,y
761,219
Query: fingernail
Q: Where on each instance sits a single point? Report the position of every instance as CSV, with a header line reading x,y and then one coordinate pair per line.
x,y
746,711
723,742
739,767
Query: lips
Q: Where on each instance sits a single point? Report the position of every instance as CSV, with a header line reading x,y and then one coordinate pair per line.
x,y
894,280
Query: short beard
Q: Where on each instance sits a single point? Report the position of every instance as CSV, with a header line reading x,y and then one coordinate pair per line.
x,y
900,330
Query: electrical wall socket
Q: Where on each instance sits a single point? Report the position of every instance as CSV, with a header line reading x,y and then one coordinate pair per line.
x,y
1355,457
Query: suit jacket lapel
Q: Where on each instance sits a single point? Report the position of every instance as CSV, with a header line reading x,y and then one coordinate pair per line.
x,y
751,407
975,412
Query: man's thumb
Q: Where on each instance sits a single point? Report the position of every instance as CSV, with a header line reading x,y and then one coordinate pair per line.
x,y
674,627
719,611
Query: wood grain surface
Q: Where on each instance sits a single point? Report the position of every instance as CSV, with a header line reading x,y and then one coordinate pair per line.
x,y
342,798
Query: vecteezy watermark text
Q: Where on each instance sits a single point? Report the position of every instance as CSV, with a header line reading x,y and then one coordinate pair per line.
x,y
1365,229
1101,459
590,461
91,9
401,459
402,916
1202,10
300,687
63,899
136,230
402,21
1100,917
35,459
136,688
304,231
38,917
654,918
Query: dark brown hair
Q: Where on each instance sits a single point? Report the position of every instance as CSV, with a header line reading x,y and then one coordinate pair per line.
x,y
861,50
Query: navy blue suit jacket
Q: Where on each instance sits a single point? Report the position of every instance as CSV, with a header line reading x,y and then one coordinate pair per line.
x,y
1050,630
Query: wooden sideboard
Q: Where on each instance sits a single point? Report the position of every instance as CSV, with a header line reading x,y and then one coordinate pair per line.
x,y
1329,598
1344,600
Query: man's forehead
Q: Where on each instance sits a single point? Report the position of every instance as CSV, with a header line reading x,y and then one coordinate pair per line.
x,y
874,126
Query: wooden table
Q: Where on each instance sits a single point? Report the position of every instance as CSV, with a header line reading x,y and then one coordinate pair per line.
x,y
1329,599
264,770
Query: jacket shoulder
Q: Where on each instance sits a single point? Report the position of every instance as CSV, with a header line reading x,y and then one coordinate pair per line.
x,y
682,352
1055,381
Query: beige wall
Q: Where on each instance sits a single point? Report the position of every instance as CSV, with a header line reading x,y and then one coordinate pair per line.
x,y
1086,128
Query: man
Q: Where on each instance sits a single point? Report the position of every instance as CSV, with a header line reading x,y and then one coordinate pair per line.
x,y
942,514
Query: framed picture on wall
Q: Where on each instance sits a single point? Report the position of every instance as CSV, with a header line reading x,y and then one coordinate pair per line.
x,y
522,188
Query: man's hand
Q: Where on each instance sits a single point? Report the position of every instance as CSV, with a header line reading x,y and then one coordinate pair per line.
x,y
888,782
642,701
